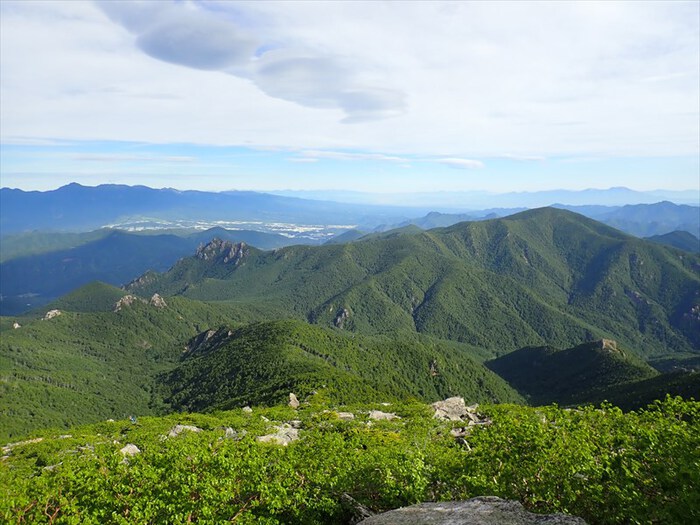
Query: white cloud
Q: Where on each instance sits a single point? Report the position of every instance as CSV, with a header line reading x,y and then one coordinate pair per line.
x,y
462,164
459,80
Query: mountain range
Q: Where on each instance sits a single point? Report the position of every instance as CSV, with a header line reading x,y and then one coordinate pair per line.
x,y
403,314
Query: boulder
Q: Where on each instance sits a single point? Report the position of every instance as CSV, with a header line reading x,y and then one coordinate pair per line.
x,y
345,416
128,451
247,410
179,429
283,435
378,415
452,409
293,401
485,510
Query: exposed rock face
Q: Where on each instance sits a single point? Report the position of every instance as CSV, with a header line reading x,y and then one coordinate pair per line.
x,y
378,415
16,325
126,301
179,429
343,315
608,344
225,251
345,416
247,410
487,510
51,314
283,435
293,401
157,301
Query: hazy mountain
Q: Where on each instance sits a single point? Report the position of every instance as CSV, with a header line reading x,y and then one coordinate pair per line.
x,y
115,257
81,208
544,276
678,239
476,200
641,220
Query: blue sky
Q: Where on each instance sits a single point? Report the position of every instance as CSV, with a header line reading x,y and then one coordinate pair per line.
x,y
372,97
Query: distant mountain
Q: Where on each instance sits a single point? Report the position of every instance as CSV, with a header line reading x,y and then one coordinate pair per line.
x,y
452,201
641,220
546,375
678,239
115,257
540,277
82,208
644,220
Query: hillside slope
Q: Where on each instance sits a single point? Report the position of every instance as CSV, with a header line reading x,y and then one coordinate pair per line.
x,y
261,363
575,375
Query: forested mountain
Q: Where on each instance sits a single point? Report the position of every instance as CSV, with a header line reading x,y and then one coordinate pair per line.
x,y
541,277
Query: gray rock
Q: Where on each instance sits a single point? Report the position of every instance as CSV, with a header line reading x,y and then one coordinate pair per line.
x,y
293,401
16,325
452,409
51,314
157,301
283,435
230,433
179,429
126,301
345,416
247,410
485,510
378,415
129,450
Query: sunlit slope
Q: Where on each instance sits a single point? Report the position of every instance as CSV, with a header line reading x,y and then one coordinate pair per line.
x,y
543,276
261,363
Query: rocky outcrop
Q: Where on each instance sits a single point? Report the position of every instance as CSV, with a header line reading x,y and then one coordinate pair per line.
x,y
485,510
51,314
225,251
157,301
127,301
455,409
342,316
16,325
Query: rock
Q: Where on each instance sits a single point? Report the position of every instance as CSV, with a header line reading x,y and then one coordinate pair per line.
x,y
8,448
225,251
283,435
16,325
295,423
157,301
126,301
345,416
342,316
129,450
179,429
357,510
485,510
230,433
451,409
51,314
378,415
247,410
293,401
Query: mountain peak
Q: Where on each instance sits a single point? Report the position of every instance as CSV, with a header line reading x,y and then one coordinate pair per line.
x,y
227,251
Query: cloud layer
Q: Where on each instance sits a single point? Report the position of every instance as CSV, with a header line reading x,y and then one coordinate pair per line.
x,y
190,36
434,84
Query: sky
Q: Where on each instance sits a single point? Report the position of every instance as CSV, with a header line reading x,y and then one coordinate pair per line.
x,y
366,96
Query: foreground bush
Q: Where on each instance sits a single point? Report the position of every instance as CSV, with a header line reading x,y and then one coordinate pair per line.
x,y
599,463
